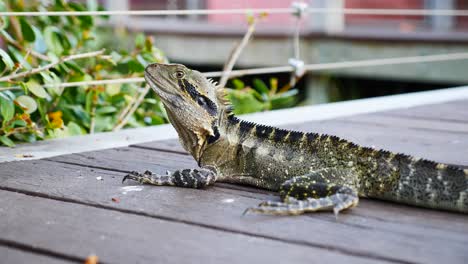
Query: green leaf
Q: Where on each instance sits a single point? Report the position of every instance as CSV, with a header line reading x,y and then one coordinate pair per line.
x,y
53,81
19,123
52,40
4,21
8,62
150,101
140,41
245,102
74,129
6,141
260,86
39,45
103,123
106,110
86,22
283,100
135,66
6,35
36,89
72,65
113,89
142,61
116,57
27,103
7,107
28,32
238,84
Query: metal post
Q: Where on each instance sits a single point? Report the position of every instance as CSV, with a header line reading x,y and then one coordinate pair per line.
x,y
118,5
328,22
441,23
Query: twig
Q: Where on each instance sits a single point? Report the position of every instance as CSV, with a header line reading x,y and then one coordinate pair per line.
x,y
123,113
50,65
21,64
132,110
33,53
92,122
235,54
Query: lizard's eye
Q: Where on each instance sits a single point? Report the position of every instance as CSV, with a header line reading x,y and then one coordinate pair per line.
x,y
180,74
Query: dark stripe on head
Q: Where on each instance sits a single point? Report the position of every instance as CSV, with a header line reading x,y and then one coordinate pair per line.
x,y
201,100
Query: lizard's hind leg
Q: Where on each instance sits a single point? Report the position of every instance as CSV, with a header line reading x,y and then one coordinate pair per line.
x,y
312,192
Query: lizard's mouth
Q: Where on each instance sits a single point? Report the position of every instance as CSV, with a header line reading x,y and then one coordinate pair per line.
x,y
158,87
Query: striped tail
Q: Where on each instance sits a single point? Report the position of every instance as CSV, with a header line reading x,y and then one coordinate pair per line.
x,y
428,184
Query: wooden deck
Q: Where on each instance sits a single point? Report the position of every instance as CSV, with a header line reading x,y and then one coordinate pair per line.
x,y
62,209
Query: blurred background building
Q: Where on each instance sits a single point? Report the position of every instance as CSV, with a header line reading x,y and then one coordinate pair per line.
x,y
204,42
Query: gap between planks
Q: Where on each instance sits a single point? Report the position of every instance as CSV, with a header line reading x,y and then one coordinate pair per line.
x,y
35,253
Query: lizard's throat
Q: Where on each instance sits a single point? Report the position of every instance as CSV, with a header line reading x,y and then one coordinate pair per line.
x,y
190,141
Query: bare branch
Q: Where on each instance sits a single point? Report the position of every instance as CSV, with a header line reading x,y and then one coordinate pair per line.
x,y
51,65
235,55
138,101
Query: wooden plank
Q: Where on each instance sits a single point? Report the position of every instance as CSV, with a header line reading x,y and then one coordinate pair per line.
x,y
117,237
141,159
378,233
171,145
13,255
441,126
450,111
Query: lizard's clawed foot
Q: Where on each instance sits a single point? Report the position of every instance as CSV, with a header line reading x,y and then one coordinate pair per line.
x,y
139,177
291,206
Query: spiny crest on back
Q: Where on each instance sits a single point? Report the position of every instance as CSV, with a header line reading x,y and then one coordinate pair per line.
x,y
221,95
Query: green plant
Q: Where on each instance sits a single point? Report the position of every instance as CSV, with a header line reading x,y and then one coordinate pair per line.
x,y
33,105
260,97
39,54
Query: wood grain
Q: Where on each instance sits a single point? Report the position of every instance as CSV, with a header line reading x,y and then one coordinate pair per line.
x,y
117,237
373,226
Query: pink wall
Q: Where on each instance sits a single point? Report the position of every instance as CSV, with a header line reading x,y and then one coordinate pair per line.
x,y
279,19
234,19
393,4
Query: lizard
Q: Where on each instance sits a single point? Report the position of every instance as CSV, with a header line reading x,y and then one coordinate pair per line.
x,y
310,171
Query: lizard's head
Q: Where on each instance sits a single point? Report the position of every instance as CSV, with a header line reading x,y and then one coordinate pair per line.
x,y
191,103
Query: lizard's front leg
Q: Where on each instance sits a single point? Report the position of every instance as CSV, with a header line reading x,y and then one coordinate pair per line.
x,y
189,178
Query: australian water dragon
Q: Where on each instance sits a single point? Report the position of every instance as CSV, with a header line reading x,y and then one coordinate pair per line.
x,y
310,171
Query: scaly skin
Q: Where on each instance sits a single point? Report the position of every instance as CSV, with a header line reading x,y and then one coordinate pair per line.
x,y
311,172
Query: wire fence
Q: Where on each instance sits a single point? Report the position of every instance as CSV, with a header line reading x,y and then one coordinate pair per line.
x,y
284,69
267,70
289,10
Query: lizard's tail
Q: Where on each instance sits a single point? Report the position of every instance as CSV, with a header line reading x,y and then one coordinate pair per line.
x,y
429,184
